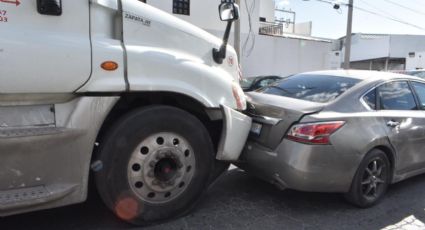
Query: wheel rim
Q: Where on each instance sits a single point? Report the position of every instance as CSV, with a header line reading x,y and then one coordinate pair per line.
x,y
374,179
161,167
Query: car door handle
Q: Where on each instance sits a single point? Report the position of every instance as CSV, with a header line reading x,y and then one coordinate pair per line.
x,y
393,124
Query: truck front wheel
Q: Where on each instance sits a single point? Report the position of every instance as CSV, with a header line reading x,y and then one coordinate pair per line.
x,y
157,162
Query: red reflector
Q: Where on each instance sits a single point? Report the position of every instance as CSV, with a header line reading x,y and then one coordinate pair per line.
x,y
314,133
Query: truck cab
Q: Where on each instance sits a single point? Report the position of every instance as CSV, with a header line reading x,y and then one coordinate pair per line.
x,y
146,105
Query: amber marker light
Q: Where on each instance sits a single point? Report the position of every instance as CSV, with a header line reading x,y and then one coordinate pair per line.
x,y
109,66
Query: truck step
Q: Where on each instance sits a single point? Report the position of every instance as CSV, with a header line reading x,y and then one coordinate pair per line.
x,y
24,197
26,132
19,195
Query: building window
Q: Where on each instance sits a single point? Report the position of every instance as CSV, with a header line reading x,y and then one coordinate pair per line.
x,y
181,7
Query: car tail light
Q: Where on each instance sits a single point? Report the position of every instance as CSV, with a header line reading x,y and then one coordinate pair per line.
x,y
314,133
239,96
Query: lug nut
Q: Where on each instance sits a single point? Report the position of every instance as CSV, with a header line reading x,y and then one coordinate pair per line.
x,y
179,165
152,164
151,173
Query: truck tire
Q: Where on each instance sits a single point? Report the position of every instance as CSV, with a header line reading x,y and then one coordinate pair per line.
x,y
156,164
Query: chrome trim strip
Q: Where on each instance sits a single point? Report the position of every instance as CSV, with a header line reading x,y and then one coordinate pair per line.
x,y
266,120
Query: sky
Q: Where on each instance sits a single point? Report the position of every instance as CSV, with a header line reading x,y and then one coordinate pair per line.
x,y
330,23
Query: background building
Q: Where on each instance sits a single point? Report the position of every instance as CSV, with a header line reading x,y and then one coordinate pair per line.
x,y
272,43
384,51
415,61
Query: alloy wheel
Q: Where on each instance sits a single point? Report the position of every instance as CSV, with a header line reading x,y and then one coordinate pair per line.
x,y
374,179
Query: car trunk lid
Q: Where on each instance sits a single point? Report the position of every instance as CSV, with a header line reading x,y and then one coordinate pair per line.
x,y
274,115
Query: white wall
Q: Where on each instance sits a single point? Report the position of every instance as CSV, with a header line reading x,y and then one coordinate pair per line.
x,y
285,56
204,13
365,47
402,45
267,8
416,62
335,59
271,55
304,28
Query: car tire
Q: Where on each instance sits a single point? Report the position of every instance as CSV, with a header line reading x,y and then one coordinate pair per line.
x,y
156,164
371,180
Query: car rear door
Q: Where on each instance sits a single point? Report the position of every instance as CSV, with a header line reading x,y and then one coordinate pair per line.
x,y
44,49
404,122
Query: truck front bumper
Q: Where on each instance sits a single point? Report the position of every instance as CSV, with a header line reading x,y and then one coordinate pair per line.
x,y
236,127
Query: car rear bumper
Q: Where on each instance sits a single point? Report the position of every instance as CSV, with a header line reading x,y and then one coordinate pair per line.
x,y
236,127
313,168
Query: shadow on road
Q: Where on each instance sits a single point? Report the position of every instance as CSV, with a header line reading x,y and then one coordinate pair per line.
x,y
239,201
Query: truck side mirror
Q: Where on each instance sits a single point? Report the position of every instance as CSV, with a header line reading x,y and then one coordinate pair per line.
x,y
49,7
229,11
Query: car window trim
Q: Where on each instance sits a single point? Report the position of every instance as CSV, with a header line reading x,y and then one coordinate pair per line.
x,y
365,104
419,104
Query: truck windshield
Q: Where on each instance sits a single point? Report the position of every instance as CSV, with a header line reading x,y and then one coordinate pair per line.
x,y
315,88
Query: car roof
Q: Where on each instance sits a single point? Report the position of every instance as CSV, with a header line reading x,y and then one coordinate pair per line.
x,y
364,75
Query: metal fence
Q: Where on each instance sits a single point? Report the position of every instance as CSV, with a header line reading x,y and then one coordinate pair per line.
x,y
277,28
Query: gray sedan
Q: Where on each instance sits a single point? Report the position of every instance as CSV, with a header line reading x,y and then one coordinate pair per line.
x,y
352,132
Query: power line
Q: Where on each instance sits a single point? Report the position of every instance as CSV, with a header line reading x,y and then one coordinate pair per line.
x,y
390,18
405,7
378,9
378,14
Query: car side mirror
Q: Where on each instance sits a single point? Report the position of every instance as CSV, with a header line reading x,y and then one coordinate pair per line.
x,y
49,7
229,12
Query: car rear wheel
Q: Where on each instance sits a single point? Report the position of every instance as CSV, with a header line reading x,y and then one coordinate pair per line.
x,y
371,180
157,162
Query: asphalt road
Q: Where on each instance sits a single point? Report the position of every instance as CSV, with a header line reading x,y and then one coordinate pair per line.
x,y
238,201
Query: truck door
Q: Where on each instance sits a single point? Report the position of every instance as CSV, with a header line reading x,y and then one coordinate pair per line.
x,y
44,51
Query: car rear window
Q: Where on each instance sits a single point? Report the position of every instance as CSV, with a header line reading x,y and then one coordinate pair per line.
x,y
315,88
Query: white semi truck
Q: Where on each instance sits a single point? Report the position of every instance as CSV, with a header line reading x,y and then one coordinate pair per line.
x,y
117,92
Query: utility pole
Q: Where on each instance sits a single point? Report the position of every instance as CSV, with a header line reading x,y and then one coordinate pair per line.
x,y
237,40
348,36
